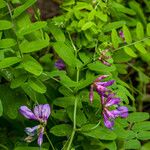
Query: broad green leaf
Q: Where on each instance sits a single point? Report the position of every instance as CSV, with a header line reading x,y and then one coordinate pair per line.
x,y
83,5
61,130
140,48
6,43
113,25
66,101
130,52
28,47
143,135
32,27
2,4
138,116
56,31
132,144
1,108
32,65
66,52
98,66
11,100
88,25
19,10
80,116
114,38
18,81
141,126
121,56
4,25
148,29
145,146
98,133
139,31
147,42
127,34
59,114
111,145
28,148
123,9
9,61
37,85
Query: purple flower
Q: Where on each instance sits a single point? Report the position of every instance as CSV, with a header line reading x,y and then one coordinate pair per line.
x,y
110,115
121,34
40,113
60,64
101,87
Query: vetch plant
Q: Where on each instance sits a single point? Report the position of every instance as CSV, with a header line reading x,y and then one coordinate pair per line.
x,y
40,113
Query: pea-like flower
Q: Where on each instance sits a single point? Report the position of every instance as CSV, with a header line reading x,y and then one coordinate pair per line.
x,y
100,87
110,115
40,113
60,64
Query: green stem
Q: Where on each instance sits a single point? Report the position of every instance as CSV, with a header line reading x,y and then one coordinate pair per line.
x,y
49,141
3,146
74,124
14,29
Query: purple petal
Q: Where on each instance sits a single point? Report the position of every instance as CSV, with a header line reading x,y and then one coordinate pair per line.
x,y
121,34
60,64
101,77
31,131
42,112
109,124
45,111
105,84
38,111
109,114
40,138
123,111
91,94
106,63
101,89
26,112
112,101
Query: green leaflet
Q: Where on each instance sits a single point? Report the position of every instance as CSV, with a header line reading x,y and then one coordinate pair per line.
x,y
140,47
143,135
139,31
130,52
132,144
19,10
28,148
28,47
127,34
6,43
113,25
9,61
66,52
138,116
148,29
56,31
61,130
37,85
4,25
32,65
32,27
115,38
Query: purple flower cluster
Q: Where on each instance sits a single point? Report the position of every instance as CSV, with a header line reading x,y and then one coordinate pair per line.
x,y
59,64
40,113
108,99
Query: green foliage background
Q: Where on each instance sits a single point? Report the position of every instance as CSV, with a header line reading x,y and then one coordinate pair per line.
x,y
78,35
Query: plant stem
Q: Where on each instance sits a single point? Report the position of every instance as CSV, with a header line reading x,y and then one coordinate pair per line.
x,y
49,141
74,124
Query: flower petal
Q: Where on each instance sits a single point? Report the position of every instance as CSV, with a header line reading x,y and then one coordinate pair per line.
x,y
101,77
26,112
112,101
40,138
31,131
91,94
107,83
38,111
45,111
60,64
109,124
123,111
